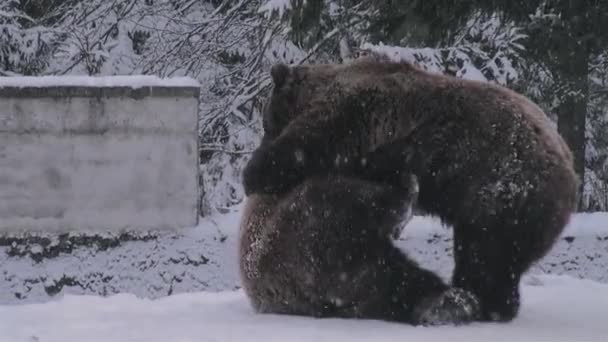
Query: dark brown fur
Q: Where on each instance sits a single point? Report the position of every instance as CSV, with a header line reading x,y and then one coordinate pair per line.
x,y
324,249
488,160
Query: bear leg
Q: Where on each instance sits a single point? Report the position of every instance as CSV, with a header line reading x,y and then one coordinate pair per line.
x,y
492,254
385,284
490,265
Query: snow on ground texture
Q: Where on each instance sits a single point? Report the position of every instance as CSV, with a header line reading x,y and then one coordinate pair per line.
x,y
204,258
580,225
554,309
96,82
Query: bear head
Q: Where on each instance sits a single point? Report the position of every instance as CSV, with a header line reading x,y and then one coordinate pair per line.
x,y
304,88
294,89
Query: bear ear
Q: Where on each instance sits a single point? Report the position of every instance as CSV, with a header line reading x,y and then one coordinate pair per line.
x,y
279,73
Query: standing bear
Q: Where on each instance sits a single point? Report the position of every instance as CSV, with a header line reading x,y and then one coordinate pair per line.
x,y
488,161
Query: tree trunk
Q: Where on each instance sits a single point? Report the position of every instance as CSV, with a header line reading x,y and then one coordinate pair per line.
x,y
572,69
572,114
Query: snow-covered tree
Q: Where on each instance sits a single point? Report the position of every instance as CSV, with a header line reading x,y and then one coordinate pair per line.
x,y
229,45
25,43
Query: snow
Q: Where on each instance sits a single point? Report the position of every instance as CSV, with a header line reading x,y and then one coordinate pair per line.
x,y
428,59
588,224
554,309
203,258
134,82
271,6
431,57
581,224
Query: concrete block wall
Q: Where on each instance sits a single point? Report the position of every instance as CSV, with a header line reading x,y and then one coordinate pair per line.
x,y
98,154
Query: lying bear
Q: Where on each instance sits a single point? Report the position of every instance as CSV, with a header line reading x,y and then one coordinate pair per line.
x,y
488,161
324,249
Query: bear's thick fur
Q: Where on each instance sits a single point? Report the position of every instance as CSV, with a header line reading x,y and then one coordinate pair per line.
x,y
488,160
325,249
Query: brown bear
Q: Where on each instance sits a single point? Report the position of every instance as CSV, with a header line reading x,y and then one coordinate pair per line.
x,y
324,249
488,161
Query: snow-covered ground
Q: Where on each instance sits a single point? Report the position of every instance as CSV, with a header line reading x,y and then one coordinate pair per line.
x,y
555,308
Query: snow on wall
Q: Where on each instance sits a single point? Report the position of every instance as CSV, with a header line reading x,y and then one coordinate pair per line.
x,y
133,82
87,154
205,258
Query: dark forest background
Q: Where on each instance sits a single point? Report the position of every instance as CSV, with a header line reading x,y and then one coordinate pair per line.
x,y
554,51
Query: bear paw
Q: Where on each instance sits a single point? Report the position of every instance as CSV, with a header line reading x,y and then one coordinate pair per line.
x,y
270,172
453,306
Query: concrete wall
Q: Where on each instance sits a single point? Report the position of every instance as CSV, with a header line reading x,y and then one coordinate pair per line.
x,y
97,154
